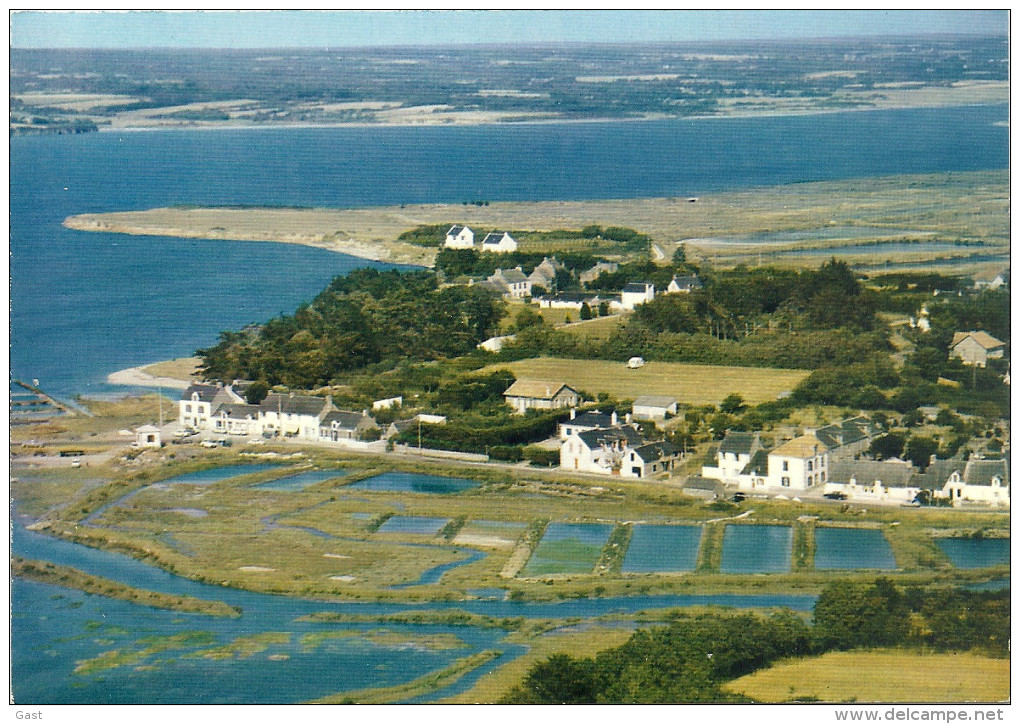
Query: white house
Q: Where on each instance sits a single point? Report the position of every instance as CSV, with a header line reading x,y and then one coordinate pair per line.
x,y
598,451
512,282
734,455
459,237
148,436
976,348
799,464
340,425
197,403
894,481
499,242
636,293
388,403
237,418
524,395
991,281
654,407
684,285
293,415
653,458
591,420
973,481
569,300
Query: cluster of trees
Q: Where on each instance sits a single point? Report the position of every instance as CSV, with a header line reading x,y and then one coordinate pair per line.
x,y
690,659
471,262
483,433
366,317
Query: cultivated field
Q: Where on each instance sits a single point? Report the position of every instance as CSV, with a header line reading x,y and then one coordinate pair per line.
x,y
689,384
881,676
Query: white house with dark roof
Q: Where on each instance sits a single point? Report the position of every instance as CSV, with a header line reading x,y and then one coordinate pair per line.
x,y
976,348
512,283
198,402
459,237
585,421
599,451
340,425
894,481
969,482
649,459
735,453
499,242
684,284
291,415
237,418
524,395
636,293
569,300
654,407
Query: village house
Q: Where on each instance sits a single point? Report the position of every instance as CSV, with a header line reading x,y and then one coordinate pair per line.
x,y
654,407
598,451
398,426
684,285
848,438
976,348
459,237
524,395
237,418
602,267
652,458
291,415
544,275
799,464
499,242
991,281
197,403
874,480
591,420
340,425
969,482
734,455
636,293
511,282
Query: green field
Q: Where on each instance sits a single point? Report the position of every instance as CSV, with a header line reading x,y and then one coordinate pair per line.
x,y
879,675
689,384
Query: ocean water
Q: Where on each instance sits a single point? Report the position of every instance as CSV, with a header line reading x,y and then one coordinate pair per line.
x,y
109,301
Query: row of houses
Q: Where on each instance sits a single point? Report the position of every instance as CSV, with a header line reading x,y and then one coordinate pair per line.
x,y
825,460
220,409
462,237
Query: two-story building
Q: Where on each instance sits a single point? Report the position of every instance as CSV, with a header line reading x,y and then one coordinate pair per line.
x,y
291,415
652,458
513,283
636,293
599,451
199,402
799,464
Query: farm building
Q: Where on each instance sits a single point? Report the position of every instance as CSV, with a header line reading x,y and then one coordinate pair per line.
x,y
976,348
459,237
654,407
524,395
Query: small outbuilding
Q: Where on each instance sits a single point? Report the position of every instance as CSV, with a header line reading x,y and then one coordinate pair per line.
x,y
654,407
148,436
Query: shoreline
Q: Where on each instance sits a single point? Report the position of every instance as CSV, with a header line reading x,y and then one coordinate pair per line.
x,y
461,123
138,377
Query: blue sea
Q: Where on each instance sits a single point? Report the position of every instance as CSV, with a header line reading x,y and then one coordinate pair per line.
x,y
84,304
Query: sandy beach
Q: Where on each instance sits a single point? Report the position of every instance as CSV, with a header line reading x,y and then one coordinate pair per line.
x,y
138,377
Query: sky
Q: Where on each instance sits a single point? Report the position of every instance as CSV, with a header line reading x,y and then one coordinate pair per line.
x,y
304,28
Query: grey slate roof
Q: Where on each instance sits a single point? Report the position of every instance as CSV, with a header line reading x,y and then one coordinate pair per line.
x,y
510,276
688,282
865,472
656,450
739,443
847,432
592,419
238,410
981,472
206,393
345,420
293,404
596,438
494,237
654,401
696,482
636,287
454,230
759,463
937,473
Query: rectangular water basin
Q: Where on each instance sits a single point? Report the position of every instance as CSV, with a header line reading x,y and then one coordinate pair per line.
x,y
840,549
662,548
757,549
414,483
494,533
417,524
569,548
215,475
300,481
975,552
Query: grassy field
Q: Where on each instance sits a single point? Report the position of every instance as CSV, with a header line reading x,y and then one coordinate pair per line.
x,y
881,676
689,384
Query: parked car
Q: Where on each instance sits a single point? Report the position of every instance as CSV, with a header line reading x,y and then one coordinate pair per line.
x,y
835,496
